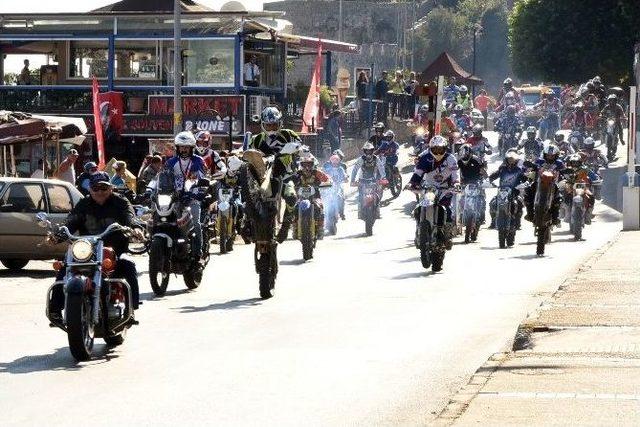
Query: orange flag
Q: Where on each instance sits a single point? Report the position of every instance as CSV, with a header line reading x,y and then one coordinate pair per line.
x,y
98,124
312,106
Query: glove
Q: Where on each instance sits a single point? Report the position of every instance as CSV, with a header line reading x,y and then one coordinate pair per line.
x,y
456,187
384,182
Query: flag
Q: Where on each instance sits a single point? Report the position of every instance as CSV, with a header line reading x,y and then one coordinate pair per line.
x,y
111,109
312,106
98,124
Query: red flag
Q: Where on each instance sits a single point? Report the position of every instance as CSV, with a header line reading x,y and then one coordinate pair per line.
x,y
98,124
111,109
312,106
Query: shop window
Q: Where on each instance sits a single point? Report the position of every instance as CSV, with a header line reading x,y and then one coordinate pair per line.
x,y
137,59
210,62
88,58
269,58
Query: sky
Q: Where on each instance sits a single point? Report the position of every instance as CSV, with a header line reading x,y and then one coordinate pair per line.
x,y
14,63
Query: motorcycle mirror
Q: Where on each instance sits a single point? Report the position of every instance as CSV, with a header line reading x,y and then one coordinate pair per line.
x,y
203,182
43,219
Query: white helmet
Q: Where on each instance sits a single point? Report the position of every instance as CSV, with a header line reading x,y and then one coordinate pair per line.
x,y
588,142
438,147
550,150
234,164
202,137
512,157
389,135
307,158
270,116
185,139
463,88
368,149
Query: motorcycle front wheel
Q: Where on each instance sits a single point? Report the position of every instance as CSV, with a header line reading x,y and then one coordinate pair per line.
x,y
437,261
267,272
192,278
223,237
158,278
396,184
306,238
425,253
542,240
80,330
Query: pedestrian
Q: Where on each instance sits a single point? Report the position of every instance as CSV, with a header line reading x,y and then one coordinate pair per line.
x,y
361,86
482,103
25,74
120,178
396,88
334,128
67,169
252,72
150,171
411,89
382,89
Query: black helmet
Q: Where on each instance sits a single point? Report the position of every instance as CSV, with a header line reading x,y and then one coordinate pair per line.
x,y
477,130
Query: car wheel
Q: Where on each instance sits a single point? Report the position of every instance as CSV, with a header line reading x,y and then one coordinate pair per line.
x,y
14,264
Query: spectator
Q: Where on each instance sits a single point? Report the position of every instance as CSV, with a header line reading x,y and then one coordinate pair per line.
x,y
150,171
334,130
252,72
39,173
361,86
25,75
83,182
482,103
382,87
67,169
396,88
412,85
119,178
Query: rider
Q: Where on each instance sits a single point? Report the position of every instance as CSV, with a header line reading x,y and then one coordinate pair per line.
x,y
372,168
507,87
478,143
599,91
463,98
438,167
462,120
532,144
212,160
614,110
333,168
575,172
378,134
310,175
447,126
563,145
91,216
579,119
340,156
508,123
511,174
473,169
388,150
271,141
186,165
549,161
592,157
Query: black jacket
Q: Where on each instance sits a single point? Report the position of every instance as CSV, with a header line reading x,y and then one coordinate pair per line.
x,y
471,171
89,218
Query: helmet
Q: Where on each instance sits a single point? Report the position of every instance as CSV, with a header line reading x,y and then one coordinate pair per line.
x,y
613,97
185,139
378,127
271,116
559,137
550,153
464,152
458,109
389,135
368,149
339,153
579,106
307,161
531,130
477,130
438,147
511,110
512,157
590,84
588,143
575,161
508,83
233,163
463,88
334,160
424,108
202,142
89,165
597,80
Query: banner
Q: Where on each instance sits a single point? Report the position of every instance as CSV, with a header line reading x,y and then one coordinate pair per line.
x,y
111,118
98,124
312,106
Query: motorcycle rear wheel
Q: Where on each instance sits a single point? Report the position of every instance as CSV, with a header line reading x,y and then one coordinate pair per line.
x,y
438,261
542,240
396,184
222,239
156,267
80,330
192,278
268,270
502,239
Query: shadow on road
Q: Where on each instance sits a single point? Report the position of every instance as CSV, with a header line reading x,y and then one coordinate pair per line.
x,y
414,275
229,305
149,296
529,256
399,248
351,236
32,274
292,262
408,260
60,360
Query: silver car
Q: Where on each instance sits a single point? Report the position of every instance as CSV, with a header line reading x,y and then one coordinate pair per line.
x,y
21,240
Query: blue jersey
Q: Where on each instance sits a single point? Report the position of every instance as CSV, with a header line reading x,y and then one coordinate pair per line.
x,y
183,169
337,173
442,174
389,149
509,176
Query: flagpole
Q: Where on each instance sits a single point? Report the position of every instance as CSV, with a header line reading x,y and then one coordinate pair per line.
x,y
177,69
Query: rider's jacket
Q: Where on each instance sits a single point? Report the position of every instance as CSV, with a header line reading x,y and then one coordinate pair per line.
x,y
617,112
90,218
448,126
534,146
472,170
271,145
441,174
388,149
371,168
566,147
582,174
337,173
579,120
316,178
547,106
593,157
376,140
556,166
463,122
213,162
508,123
466,102
184,169
478,144
510,176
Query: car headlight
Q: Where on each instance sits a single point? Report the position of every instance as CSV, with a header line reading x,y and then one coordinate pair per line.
x,y
82,250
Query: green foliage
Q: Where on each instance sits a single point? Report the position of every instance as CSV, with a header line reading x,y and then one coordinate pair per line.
x,y
325,97
573,40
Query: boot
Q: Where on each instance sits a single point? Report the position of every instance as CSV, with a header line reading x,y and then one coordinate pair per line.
x,y
283,233
492,226
320,233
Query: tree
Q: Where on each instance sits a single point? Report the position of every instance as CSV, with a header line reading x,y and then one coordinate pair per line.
x,y
570,41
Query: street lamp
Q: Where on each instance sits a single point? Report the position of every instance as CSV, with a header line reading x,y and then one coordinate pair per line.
x,y
477,31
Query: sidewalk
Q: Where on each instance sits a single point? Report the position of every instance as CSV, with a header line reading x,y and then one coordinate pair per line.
x,y
576,361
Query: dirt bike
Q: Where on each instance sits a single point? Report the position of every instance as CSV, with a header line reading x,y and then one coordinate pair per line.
x,y
332,199
543,205
471,211
369,195
507,216
306,225
226,212
611,138
394,177
431,235
96,305
574,207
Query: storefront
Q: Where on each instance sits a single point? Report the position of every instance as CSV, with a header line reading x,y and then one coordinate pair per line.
x,y
132,52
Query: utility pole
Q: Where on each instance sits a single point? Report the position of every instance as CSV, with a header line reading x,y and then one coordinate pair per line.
x,y
340,21
177,69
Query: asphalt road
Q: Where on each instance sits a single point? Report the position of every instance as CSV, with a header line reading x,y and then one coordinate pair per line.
x,y
360,335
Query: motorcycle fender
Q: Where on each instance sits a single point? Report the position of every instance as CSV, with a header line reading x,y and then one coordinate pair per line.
x,y
76,285
578,200
223,207
168,239
368,200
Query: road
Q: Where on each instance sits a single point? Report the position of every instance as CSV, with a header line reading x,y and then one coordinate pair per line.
x,y
360,335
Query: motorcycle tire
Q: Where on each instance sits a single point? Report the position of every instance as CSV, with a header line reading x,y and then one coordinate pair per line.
x,y
438,261
469,228
474,234
268,270
576,223
192,278
541,241
396,185
511,238
115,340
423,245
156,267
222,239
368,226
502,239
80,330
230,242
307,238
610,149
332,228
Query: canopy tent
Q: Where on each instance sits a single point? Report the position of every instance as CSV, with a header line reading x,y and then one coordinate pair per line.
x,y
445,65
151,6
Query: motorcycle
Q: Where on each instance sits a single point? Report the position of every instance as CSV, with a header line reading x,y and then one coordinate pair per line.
x,y
332,199
548,125
508,140
306,225
507,216
369,202
142,222
173,236
226,216
431,237
471,211
394,177
611,138
96,304
543,204
574,207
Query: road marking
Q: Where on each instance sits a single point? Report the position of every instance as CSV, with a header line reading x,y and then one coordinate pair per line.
x,y
581,396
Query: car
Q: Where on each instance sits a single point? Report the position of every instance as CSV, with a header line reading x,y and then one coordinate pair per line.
x,y
531,95
21,239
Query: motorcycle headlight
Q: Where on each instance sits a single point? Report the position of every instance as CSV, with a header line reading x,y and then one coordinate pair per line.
x,y
430,196
82,250
579,191
420,131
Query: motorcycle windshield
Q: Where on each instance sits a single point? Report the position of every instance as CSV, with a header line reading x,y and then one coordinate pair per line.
x,y
166,183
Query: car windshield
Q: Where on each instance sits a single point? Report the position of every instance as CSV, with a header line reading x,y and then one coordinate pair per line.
x,y
531,98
